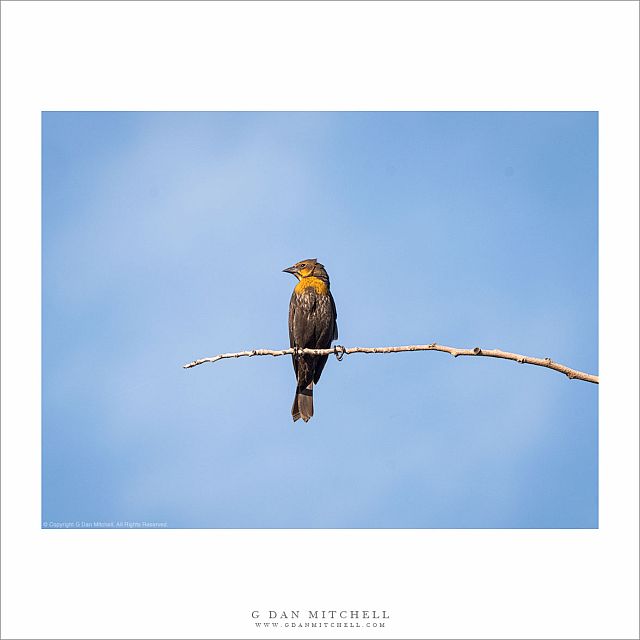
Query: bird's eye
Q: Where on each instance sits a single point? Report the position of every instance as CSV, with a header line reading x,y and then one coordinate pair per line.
x,y
301,266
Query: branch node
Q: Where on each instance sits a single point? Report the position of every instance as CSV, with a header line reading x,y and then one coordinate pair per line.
x,y
477,351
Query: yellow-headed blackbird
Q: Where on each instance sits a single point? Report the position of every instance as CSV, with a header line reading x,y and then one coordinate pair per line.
x,y
312,325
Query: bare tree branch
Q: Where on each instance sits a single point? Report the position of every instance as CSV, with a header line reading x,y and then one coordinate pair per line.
x,y
340,352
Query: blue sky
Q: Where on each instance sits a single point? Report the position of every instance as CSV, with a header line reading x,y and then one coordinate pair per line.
x,y
164,237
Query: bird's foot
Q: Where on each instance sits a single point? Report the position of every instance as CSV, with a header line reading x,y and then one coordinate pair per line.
x,y
339,352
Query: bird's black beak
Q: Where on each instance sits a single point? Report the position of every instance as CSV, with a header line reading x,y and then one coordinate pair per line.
x,y
289,270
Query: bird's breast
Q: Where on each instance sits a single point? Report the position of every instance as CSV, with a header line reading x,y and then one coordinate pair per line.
x,y
318,285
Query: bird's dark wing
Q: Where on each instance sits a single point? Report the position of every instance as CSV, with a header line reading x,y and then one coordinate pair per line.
x,y
324,321
326,329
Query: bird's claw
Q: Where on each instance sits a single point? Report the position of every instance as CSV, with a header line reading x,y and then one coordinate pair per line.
x,y
339,352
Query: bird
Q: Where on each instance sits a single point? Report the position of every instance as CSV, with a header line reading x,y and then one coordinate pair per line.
x,y
312,325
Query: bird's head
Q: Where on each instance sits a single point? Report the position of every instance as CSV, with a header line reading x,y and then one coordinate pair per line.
x,y
307,269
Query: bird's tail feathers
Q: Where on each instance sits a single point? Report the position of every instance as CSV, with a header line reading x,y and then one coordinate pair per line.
x,y
303,403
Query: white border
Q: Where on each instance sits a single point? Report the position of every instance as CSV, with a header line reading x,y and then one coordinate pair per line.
x,y
320,56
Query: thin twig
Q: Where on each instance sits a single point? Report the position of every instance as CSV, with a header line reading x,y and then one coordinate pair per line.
x,y
340,351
